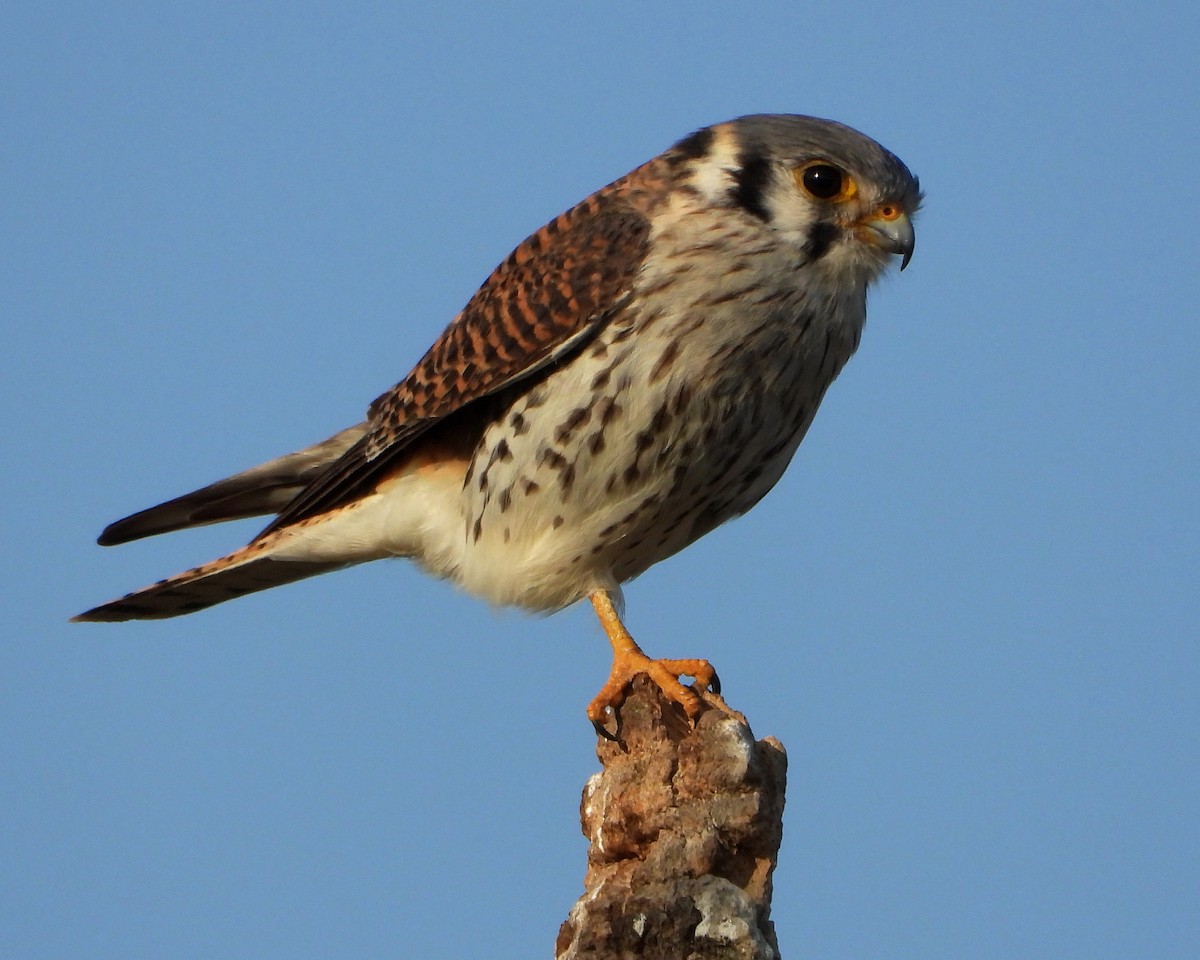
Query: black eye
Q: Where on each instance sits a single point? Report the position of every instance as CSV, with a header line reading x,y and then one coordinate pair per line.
x,y
823,180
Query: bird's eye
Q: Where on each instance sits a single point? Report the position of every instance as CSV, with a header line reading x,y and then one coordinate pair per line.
x,y
824,181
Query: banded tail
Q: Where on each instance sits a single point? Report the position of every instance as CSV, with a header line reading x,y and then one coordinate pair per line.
x,y
264,489
248,570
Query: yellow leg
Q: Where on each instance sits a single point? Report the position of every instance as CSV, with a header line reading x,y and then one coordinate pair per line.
x,y
629,661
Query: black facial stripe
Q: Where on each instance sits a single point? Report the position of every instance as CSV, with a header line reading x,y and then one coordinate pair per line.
x,y
821,236
693,147
754,170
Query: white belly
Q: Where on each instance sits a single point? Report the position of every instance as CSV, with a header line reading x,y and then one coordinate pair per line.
x,y
620,459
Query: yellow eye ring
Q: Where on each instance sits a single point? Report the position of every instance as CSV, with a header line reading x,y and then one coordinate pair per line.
x,y
822,180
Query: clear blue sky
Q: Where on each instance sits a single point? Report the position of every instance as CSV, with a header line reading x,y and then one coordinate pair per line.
x,y
969,610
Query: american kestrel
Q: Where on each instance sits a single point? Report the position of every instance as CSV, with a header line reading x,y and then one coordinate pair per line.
x,y
638,371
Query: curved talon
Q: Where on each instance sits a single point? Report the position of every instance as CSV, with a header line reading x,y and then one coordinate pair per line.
x,y
700,670
629,661
602,731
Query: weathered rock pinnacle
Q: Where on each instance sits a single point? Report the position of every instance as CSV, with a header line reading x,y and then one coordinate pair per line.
x,y
684,826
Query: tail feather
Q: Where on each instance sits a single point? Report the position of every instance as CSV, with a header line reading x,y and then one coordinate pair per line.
x,y
248,570
264,489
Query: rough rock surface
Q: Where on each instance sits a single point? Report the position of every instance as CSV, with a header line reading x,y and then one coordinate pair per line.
x,y
684,827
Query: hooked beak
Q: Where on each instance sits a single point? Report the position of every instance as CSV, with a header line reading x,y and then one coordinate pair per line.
x,y
890,229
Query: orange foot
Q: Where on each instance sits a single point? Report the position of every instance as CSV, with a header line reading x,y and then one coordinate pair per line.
x,y
629,661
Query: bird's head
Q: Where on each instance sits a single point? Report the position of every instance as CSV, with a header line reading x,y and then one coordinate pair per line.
x,y
842,200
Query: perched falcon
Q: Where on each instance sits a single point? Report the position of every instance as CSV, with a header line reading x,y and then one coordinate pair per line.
x,y
638,371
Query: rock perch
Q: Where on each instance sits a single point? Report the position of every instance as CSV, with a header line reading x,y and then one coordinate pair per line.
x,y
684,826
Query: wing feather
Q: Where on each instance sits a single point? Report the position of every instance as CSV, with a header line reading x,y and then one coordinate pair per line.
x,y
539,306
266,488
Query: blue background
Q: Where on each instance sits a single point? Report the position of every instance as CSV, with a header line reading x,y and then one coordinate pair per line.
x,y
969,610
